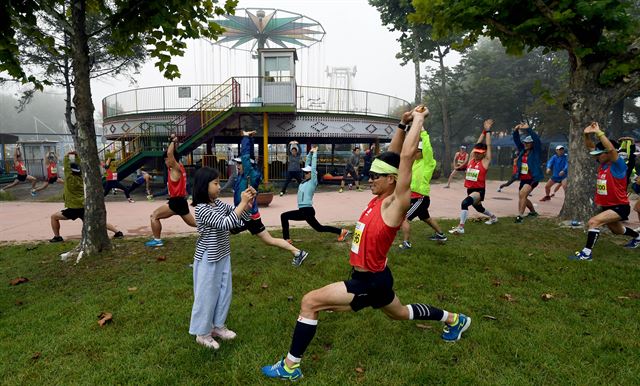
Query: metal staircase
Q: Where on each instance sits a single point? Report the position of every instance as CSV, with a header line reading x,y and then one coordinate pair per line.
x,y
148,140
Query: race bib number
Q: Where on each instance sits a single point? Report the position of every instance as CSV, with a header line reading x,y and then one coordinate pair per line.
x,y
114,176
472,174
601,187
524,169
357,237
54,170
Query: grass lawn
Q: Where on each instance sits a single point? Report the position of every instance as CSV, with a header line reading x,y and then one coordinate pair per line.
x,y
586,334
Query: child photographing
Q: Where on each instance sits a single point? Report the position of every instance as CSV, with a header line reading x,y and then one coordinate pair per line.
x,y
212,259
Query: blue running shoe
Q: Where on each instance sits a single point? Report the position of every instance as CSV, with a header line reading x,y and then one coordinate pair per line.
x,y
154,243
279,371
453,333
633,243
580,256
33,193
405,245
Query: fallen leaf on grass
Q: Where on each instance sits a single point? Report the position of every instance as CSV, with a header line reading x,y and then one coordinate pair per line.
x,y
19,302
326,346
634,295
18,280
359,370
31,248
265,285
508,297
496,283
132,289
290,298
546,297
624,298
105,317
424,326
530,254
489,317
36,355
315,357
161,258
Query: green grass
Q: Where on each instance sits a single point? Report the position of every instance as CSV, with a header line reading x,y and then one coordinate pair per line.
x,y
588,333
6,196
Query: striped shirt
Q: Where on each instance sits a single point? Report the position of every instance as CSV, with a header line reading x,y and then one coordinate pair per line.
x,y
213,222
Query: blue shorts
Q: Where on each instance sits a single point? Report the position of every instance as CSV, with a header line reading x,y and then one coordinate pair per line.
x,y
558,180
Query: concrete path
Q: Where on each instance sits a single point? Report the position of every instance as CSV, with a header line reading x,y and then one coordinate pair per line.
x,y
29,220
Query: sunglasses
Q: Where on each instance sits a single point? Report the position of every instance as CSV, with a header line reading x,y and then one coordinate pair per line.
x,y
375,176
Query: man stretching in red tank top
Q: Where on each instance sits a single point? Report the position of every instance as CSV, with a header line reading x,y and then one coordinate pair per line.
x,y
177,204
371,283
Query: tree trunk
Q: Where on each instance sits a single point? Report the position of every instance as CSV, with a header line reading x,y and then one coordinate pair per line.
x,y
444,107
588,102
94,231
416,64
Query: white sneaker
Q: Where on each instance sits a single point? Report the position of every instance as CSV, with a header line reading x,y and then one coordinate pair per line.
x,y
223,333
491,220
457,230
207,341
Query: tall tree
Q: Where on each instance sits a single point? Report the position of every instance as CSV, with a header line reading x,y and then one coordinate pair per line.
x,y
162,27
603,44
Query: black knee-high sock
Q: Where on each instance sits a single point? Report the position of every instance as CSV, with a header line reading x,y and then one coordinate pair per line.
x,y
592,237
302,336
419,311
630,232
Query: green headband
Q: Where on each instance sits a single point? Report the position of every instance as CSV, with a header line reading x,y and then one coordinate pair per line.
x,y
381,167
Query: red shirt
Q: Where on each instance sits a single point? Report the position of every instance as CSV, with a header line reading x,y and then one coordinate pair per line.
x,y
19,166
178,188
111,175
476,175
460,159
372,239
525,174
52,170
610,191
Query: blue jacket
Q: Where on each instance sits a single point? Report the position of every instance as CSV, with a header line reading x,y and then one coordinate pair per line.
x,y
308,188
533,158
249,173
558,164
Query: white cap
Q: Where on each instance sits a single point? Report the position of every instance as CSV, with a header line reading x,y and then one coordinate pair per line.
x,y
559,147
527,139
306,169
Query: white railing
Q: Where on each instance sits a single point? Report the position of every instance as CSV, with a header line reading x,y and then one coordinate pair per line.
x,y
255,91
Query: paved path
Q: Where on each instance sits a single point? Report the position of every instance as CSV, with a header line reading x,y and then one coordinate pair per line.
x,y
30,220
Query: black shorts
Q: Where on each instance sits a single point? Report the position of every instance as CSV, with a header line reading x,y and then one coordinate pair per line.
x,y
22,177
419,208
73,213
461,168
482,191
179,206
353,173
254,226
52,180
622,210
528,182
371,289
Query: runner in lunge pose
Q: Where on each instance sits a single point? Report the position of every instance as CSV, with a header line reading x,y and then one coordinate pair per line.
x,y
529,171
305,211
558,167
459,164
475,180
23,175
248,175
371,283
611,193
423,166
52,173
177,186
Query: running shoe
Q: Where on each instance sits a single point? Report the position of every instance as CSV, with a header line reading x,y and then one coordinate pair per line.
x,y
580,255
533,214
150,197
33,193
491,220
281,371
341,190
130,200
223,333
452,333
299,258
519,220
446,187
154,243
545,198
405,245
633,243
281,194
118,235
343,234
207,341
457,230
499,190
438,237
56,239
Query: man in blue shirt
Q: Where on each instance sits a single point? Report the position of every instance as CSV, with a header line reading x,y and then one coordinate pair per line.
x,y
557,166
